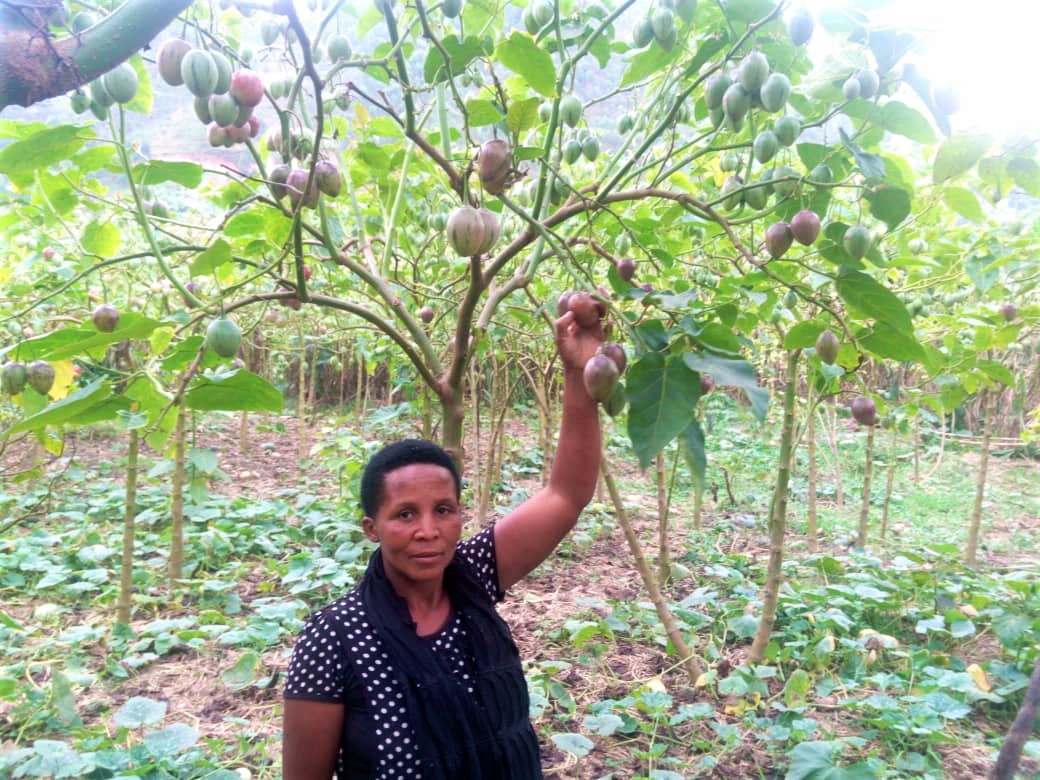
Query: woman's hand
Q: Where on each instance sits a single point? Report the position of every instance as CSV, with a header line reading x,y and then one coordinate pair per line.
x,y
575,343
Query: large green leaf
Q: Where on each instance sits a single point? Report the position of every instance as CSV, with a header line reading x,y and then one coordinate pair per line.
x,y
76,408
482,112
957,154
816,761
238,391
965,203
81,341
215,256
460,54
890,204
647,62
870,298
694,452
1026,173
524,57
872,166
803,334
522,115
140,711
731,373
886,341
187,174
662,393
101,238
899,118
43,149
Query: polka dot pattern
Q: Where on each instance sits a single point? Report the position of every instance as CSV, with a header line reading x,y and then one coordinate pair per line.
x,y
324,669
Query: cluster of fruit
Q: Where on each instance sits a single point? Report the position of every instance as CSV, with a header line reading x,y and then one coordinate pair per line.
x,y
224,99
288,181
39,375
119,85
659,25
603,370
804,227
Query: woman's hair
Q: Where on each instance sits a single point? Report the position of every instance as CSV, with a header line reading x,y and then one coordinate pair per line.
x,y
395,456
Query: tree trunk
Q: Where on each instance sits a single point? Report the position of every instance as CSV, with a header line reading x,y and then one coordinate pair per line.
x,y
778,516
301,397
890,481
811,436
868,470
980,484
688,659
832,439
33,67
176,563
243,433
1025,722
917,448
126,565
664,557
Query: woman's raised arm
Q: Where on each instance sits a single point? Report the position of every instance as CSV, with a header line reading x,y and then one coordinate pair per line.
x,y
527,535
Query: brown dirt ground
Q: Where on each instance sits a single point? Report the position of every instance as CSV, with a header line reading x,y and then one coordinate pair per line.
x,y
190,681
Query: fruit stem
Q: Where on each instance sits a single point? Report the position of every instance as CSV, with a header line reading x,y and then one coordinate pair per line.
x,y
142,217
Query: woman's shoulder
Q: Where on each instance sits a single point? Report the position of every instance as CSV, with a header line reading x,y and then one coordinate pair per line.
x,y
477,554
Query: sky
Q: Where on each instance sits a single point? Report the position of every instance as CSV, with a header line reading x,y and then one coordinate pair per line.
x,y
988,51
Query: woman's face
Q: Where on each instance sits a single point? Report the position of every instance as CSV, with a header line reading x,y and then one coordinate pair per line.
x,y
418,524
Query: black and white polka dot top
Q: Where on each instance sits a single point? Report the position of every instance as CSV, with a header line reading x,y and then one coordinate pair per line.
x,y
377,742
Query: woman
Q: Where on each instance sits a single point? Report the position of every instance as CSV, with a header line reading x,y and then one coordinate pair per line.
x,y
413,673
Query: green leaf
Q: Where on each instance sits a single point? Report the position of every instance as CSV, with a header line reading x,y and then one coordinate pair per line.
x,y
245,224
647,62
887,341
694,452
81,341
731,373
482,112
965,203
140,711
525,58
957,154
215,256
243,673
102,238
460,54
602,725
90,403
871,299
816,761
997,371
890,204
797,687
1026,173
171,740
803,334
43,149
575,744
522,115
238,391
662,393
979,271
63,700
872,166
899,118
187,174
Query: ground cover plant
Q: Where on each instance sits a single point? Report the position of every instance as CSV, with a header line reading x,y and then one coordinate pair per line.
x,y
246,243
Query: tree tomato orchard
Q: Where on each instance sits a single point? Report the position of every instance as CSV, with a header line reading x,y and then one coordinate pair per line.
x,y
719,131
